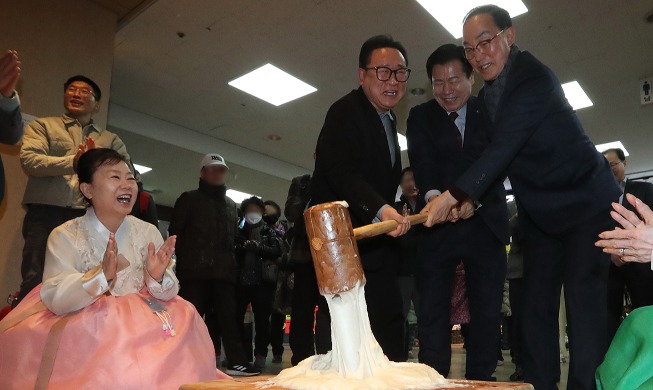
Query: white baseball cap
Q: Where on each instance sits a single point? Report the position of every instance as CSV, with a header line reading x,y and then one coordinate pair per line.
x,y
213,159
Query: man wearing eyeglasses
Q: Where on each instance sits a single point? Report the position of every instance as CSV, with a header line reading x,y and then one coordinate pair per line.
x,y
358,160
563,186
445,136
49,154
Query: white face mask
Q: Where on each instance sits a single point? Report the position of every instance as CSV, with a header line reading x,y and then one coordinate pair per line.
x,y
253,218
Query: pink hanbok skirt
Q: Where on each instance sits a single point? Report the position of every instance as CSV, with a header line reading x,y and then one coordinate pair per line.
x,y
114,343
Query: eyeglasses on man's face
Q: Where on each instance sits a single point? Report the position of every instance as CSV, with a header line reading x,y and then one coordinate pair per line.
x,y
482,47
383,73
83,92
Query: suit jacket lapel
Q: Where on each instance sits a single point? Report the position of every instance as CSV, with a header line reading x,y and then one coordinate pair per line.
x,y
372,121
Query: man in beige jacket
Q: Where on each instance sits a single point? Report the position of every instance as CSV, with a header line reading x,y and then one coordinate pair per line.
x,y
49,154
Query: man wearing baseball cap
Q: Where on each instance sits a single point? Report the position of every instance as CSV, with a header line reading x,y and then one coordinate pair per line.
x,y
204,221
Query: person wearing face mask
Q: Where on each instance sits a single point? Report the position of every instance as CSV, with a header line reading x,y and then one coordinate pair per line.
x,y
205,222
257,249
272,216
445,136
278,318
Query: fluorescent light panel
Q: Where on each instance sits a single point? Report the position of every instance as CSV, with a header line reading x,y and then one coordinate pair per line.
x,y
612,145
272,84
239,196
576,95
141,168
450,14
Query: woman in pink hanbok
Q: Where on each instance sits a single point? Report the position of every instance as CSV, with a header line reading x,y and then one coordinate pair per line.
x,y
107,315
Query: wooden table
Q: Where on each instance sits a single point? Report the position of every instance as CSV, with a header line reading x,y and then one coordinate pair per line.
x,y
250,384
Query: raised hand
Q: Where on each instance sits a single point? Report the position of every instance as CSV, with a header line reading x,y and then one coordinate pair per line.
x,y
157,263
110,262
82,148
89,144
9,72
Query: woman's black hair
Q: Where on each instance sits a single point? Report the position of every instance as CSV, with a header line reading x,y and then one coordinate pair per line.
x,y
256,201
90,161
273,204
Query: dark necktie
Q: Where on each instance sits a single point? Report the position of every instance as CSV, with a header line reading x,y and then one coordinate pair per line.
x,y
459,137
387,126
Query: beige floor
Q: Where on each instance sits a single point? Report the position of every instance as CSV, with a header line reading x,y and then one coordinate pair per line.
x,y
457,365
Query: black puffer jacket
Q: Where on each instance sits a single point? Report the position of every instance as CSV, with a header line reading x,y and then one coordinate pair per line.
x,y
256,244
205,222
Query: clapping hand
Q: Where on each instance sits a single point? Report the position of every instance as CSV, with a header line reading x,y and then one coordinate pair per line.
x,y
110,262
82,148
633,243
157,263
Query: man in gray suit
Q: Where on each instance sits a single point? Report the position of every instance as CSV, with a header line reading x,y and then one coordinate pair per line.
x,y
11,122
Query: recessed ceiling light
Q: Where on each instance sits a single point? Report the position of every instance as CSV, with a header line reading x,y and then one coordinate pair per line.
x,y
141,168
239,196
450,14
403,143
272,84
612,145
576,96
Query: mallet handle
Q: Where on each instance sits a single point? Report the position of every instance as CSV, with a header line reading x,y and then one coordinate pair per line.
x,y
375,229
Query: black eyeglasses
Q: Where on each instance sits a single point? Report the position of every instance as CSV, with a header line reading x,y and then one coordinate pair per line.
x,y
482,47
383,73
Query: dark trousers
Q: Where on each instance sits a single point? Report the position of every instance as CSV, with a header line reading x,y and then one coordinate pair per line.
x,y
484,258
515,291
216,301
303,342
261,296
637,278
39,222
384,303
277,322
408,295
549,261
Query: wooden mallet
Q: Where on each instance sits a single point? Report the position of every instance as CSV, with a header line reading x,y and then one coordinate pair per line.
x,y
333,245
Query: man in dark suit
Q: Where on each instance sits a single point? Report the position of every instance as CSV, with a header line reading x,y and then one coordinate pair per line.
x,y
636,278
11,121
358,160
445,137
563,187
